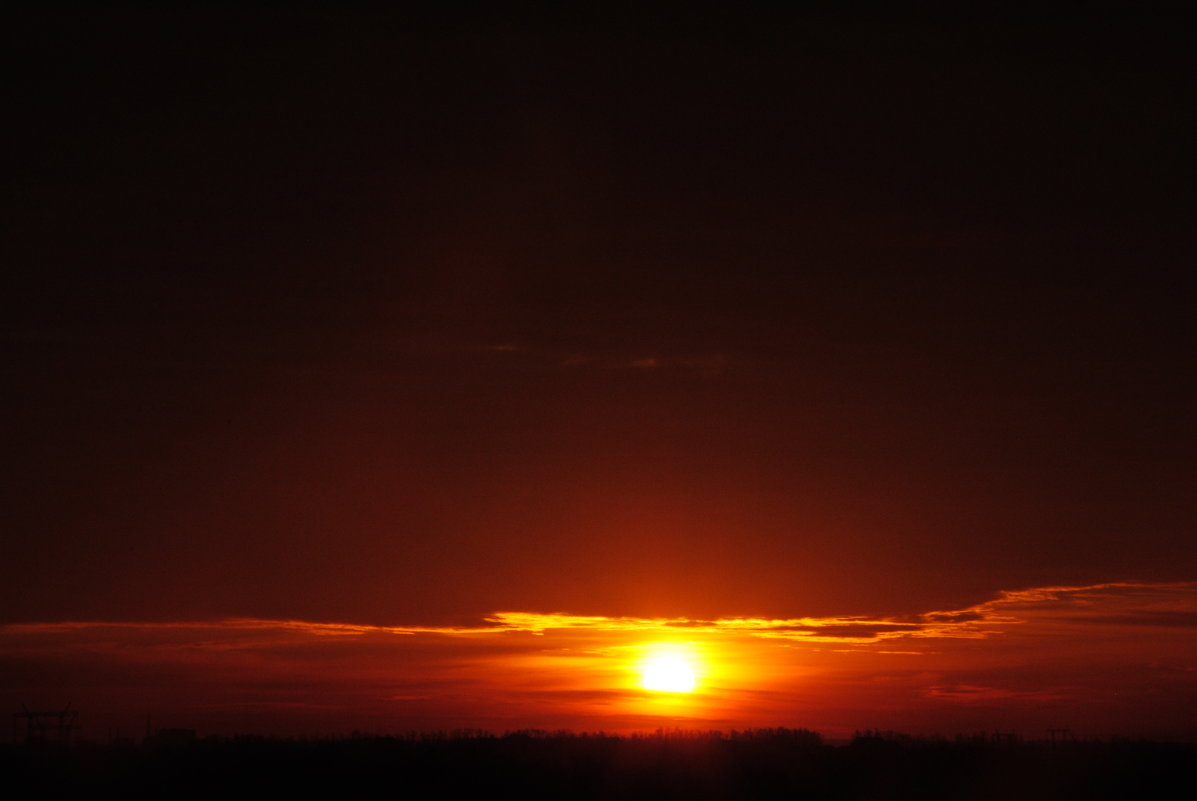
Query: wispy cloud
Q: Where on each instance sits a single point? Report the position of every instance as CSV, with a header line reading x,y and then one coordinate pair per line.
x,y
1125,603
1119,649
704,365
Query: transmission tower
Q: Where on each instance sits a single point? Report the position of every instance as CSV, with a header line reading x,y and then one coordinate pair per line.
x,y
49,727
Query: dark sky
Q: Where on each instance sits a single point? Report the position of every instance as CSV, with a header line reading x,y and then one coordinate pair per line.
x,y
372,318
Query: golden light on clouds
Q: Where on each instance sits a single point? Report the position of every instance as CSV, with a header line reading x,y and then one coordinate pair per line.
x,y
1076,656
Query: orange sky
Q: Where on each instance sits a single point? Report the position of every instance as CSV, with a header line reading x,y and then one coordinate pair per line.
x,y
342,350
1101,660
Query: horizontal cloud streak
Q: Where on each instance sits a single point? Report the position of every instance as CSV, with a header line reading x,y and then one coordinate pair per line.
x,y
1126,603
1110,654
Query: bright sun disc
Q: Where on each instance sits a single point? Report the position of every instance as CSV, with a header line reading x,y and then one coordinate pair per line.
x,y
668,674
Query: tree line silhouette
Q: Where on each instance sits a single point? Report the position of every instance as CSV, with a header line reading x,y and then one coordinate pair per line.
x,y
776,763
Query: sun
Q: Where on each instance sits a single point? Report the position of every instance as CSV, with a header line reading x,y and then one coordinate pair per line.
x,y
668,672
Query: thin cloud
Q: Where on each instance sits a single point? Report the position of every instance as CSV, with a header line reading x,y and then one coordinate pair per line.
x,y
1124,603
1123,652
967,693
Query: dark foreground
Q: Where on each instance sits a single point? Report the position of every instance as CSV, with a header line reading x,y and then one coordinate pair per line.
x,y
765,764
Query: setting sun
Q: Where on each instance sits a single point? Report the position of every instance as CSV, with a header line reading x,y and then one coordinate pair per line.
x,y
668,672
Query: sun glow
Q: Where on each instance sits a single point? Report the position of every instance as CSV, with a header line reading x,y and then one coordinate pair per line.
x,y
668,671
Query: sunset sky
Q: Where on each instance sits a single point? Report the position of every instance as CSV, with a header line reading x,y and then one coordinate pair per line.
x,y
370,371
